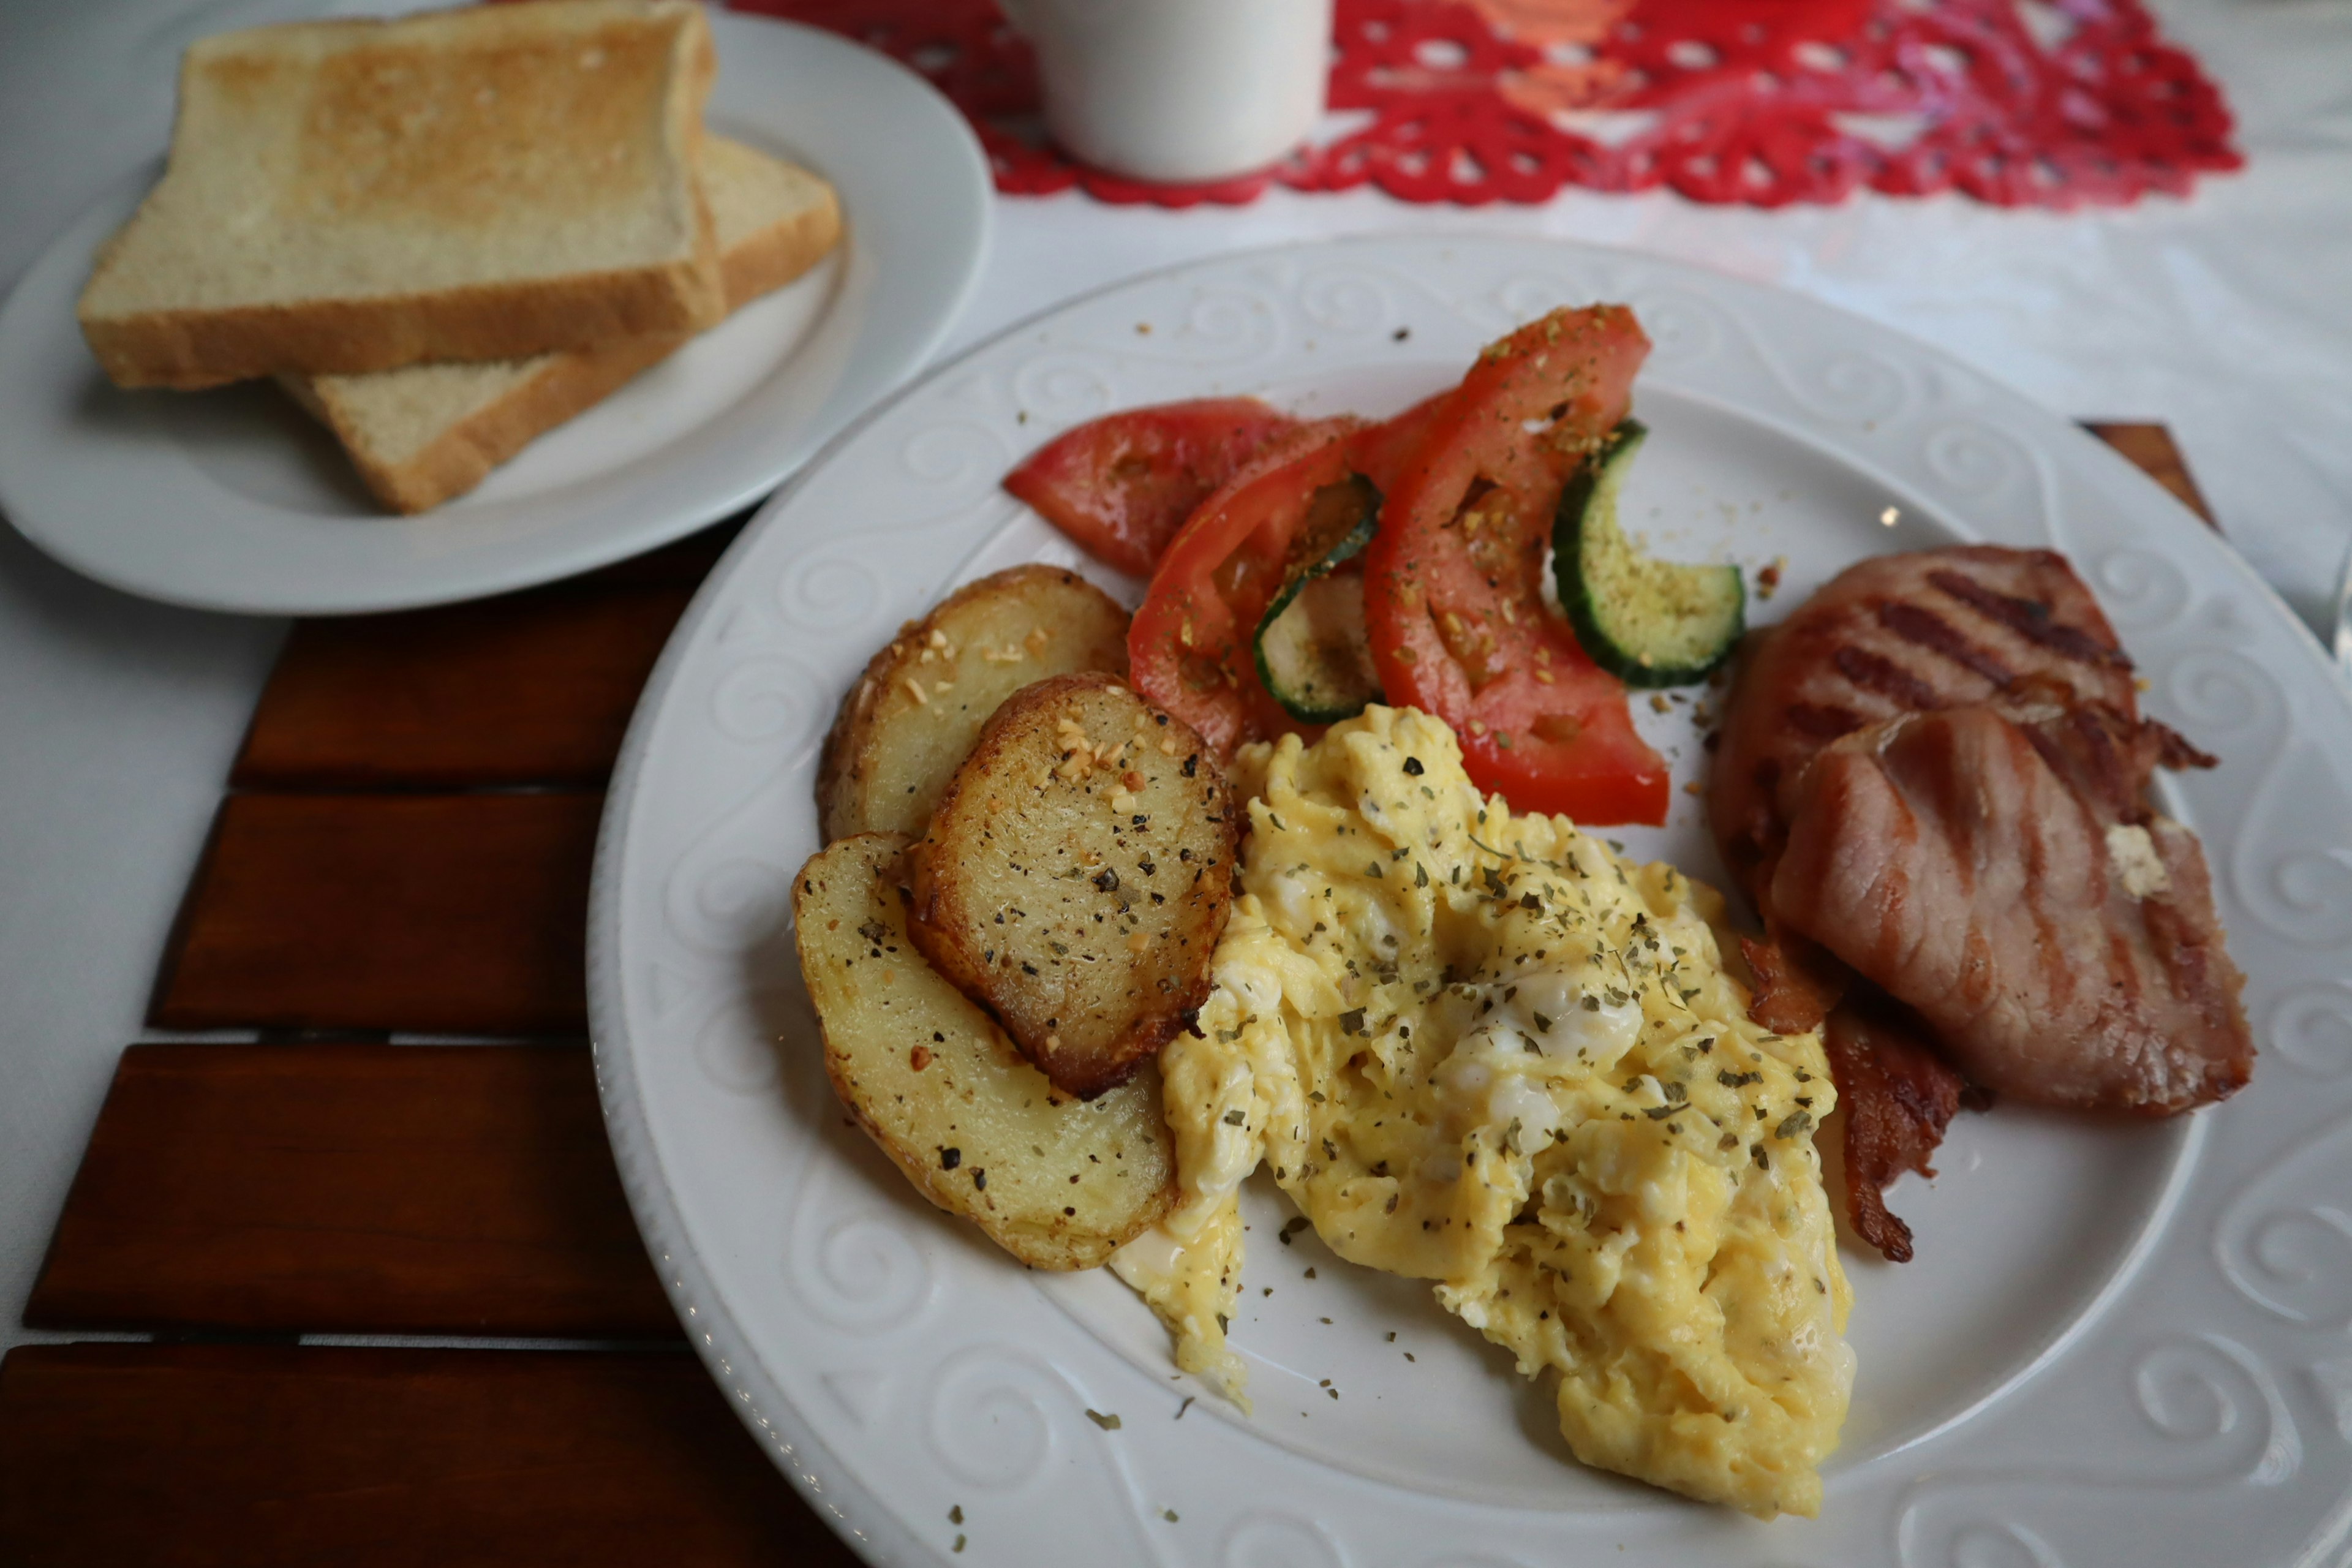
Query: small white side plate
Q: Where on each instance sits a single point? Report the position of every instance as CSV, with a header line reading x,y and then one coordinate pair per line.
x,y
232,499
2121,1343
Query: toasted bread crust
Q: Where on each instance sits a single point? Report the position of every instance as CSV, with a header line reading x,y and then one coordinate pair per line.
x,y
564,385
191,349
780,253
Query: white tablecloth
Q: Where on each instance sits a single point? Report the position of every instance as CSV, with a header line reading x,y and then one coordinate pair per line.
x,y
2226,316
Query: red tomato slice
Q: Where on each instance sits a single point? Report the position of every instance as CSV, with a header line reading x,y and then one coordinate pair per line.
x,y
1454,581
1189,646
1122,485
1381,451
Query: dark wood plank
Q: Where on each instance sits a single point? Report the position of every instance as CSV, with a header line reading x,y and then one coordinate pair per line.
x,y
352,1188
451,914
250,1457
2151,449
532,688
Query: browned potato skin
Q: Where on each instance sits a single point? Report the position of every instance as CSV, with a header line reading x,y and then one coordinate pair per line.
x,y
924,1070
889,753
1087,931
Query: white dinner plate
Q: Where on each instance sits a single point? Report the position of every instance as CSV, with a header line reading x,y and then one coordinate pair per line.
x,y
233,499
2119,1344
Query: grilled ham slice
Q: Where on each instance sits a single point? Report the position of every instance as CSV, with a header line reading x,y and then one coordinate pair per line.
x,y
2013,638
2000,874
1900,634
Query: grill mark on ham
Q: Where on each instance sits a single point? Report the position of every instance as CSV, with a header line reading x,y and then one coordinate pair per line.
x,y
1924,628
2031,619
2106,773
1883,675
2028,977
2048,749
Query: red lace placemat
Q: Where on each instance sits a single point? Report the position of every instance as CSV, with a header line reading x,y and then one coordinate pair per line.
x,y
2049,103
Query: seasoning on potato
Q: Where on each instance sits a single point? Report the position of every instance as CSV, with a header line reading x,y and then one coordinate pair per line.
x,y
1057,1182
1076,876
912,717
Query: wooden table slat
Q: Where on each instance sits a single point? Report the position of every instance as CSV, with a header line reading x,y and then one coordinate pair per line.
x,y
251,1457
2151,449
463,1190
451,914
532,690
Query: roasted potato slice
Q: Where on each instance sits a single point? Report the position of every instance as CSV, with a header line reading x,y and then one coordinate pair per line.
x,y
1076,876
914,714
1057,1182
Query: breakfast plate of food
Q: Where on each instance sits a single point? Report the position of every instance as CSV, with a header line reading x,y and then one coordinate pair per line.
x,y
1447,901
478,298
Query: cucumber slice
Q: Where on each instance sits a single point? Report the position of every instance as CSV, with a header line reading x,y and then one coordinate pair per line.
x,y
1645,621
1313,653
1312,650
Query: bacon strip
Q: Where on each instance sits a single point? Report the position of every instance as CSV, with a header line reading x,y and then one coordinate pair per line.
x,y
1898,1096
1797,982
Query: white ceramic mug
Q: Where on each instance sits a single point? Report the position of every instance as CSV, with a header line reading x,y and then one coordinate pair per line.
x,y
1178,89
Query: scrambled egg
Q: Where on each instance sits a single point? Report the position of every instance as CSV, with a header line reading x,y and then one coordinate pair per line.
x,y
1481,1049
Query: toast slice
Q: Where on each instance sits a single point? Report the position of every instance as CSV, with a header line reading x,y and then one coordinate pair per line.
x,y
425,433
479,184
